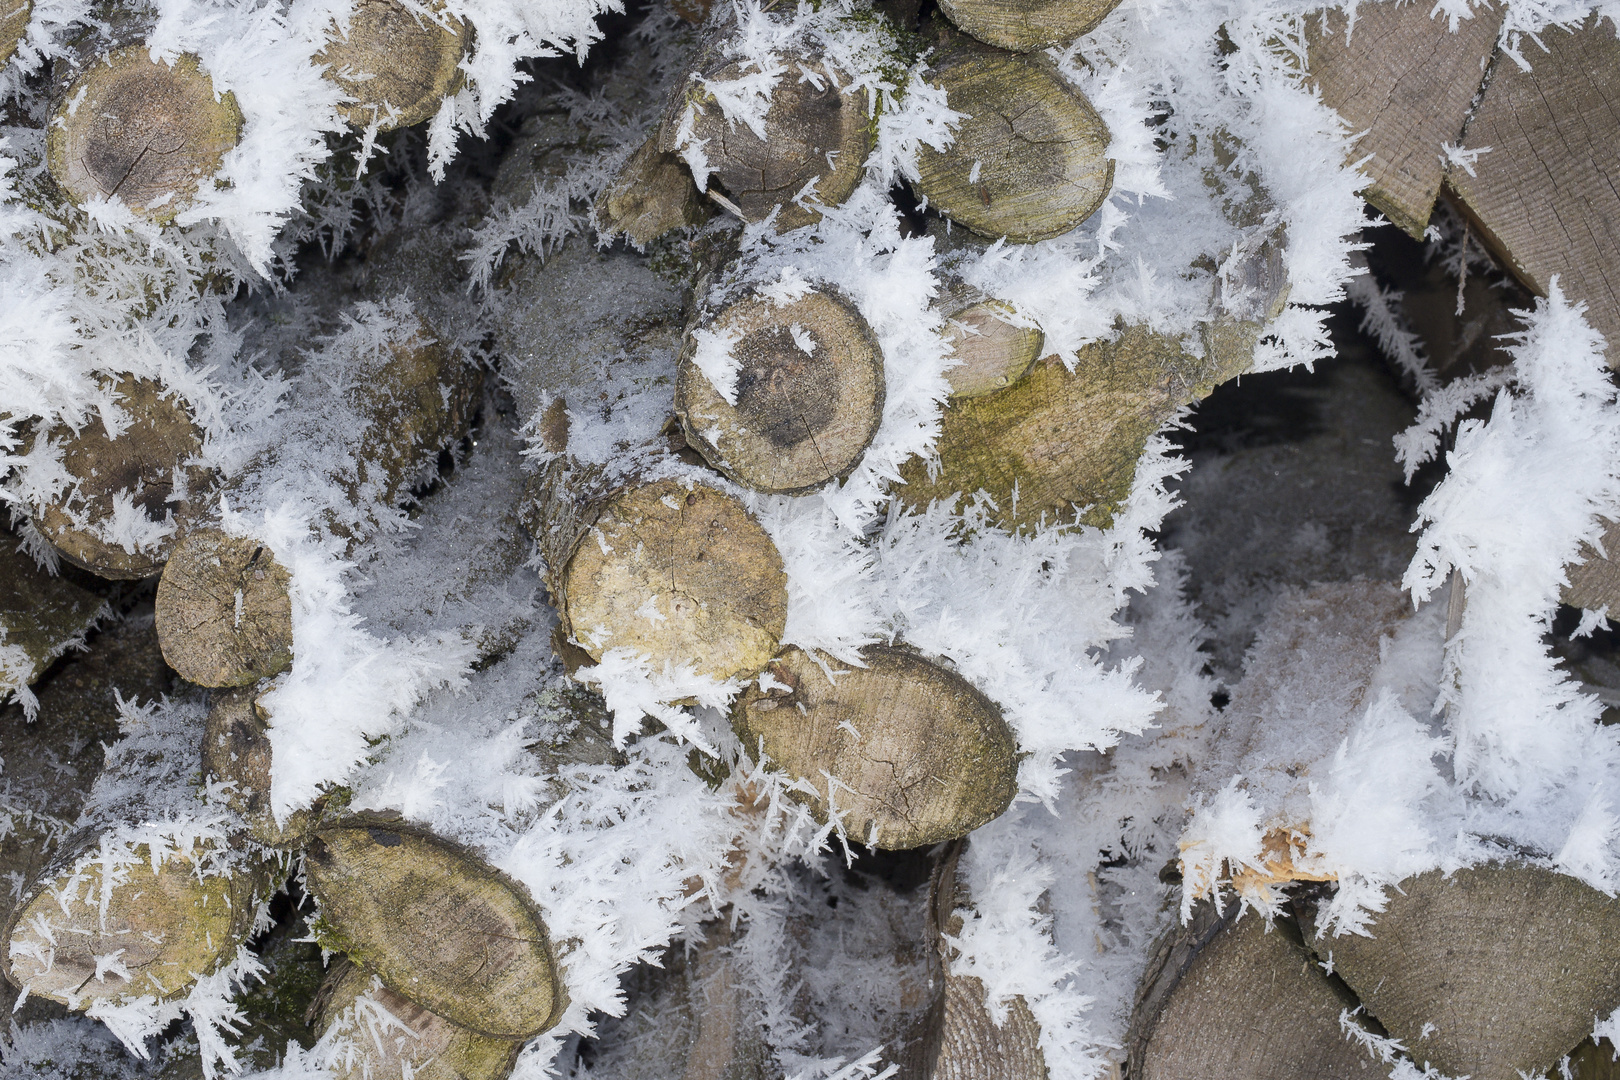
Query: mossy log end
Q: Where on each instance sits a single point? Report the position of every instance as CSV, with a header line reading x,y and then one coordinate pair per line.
x,y
42,615
158,933
815,132
651,194
224,614
917,755
396,64
148,132
1508,963
1026,25
1029,162
1227,998
681,574
429,1048
437,923
808,387
14,16
236,748
149,464
1068,439
992,351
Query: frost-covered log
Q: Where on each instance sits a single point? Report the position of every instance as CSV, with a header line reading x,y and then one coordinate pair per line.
x,y
391,1037
650,195
224,613
42,616
903,751
125,492
396,62
1030,161
1027,25
782,398
1594,582
1230,998
436,921
1495,971
991,349
236,749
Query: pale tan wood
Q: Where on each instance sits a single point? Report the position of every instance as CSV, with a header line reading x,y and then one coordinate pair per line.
x,y
1406,80
397,65
42,615
224,611
236,748
992,351
1027,25
14,16
650,195
1594,580
1545,197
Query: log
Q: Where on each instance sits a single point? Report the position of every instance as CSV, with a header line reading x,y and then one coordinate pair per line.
x,y
147,470
14,16
651,194
793,397
148,132
1030,161
410,1043
432,918
1543,198
1228,998
1406,80
1594,1059
915,753
395,64
1027,25
42,616
1594,581
1494,972
992,351
224,613
236,748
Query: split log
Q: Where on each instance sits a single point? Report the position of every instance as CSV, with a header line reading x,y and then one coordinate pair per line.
x,y
224,610
410,1042
147,471
803,396
992,351
1494,972
396,63
1406,80
915,754
1543,198
236,748
1228,998
437,922
148,132
42,616
1027,25
651,194
1030,161
14,16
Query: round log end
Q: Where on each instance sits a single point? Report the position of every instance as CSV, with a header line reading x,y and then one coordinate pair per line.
x,y
148,132
396,64
437,923
224,614
14,16
1030,162
809,394
1026,25
146,465
993,352
682,576
919,755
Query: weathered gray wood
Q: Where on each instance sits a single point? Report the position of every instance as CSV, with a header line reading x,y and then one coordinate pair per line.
x,y
1594,580
42,615
397,65
224,613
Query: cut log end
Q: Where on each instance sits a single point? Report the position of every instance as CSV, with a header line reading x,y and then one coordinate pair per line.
x,y
809,394
1026,25
396,64
428,916
681,575
148,465
14,16
1030,162
992,352
917,754
224,613
652,194
142,130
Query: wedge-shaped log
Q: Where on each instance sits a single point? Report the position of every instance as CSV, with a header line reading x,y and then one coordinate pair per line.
x,y
432,918
396,63
148,132
397,1039
42,615
803,391
915,753
1027,25
1494,972
224,611
650,195
1030,161
144,480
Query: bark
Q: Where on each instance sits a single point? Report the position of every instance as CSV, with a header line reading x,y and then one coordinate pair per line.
x,y
463,939
148,465
42,616
397,65
1509,963
14,16
236,748
224,612
1408,82
416,1045
1225,998
1027,25
916,755
992,351
1052,171
808,393
142,130
1544,199
651,194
